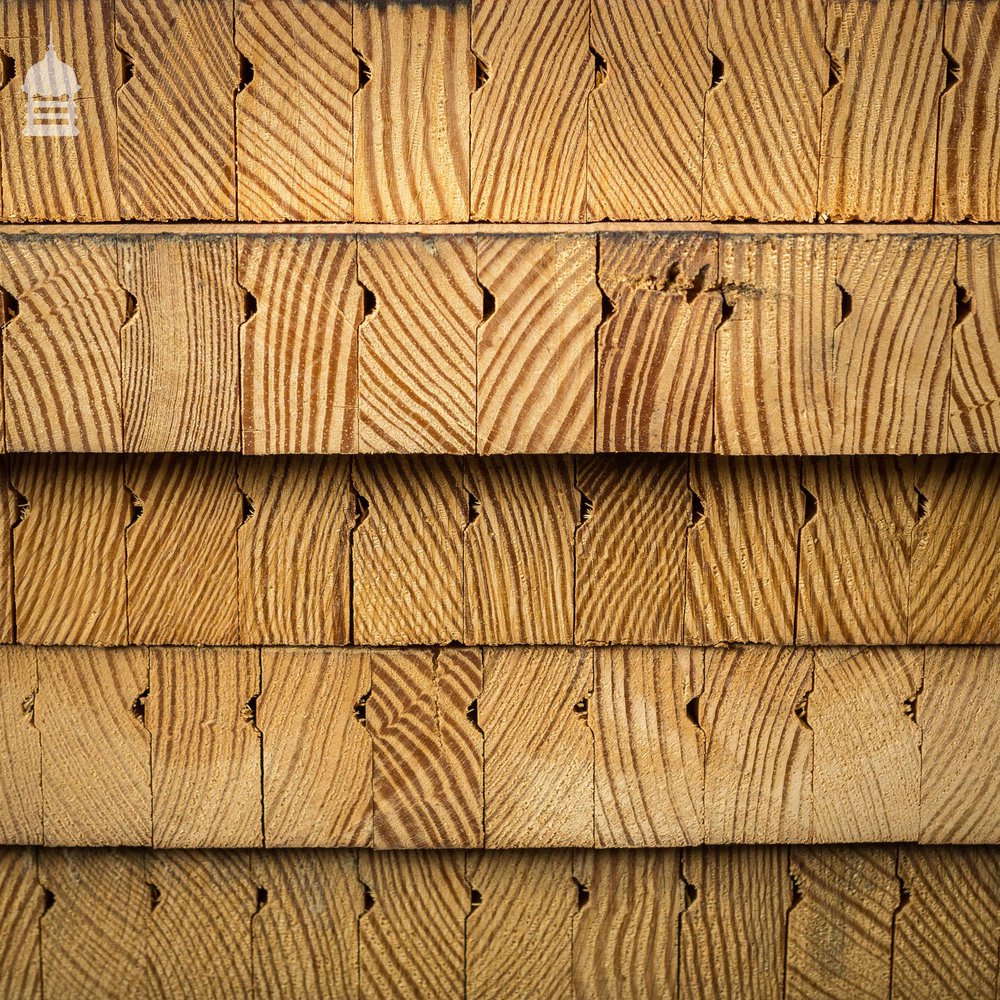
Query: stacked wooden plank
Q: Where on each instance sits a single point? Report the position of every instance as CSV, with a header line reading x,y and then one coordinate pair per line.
x,y
538,459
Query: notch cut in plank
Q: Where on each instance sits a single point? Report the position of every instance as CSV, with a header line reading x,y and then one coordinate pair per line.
x,y
294,115
20,751
299,363
417,349
529,110
175,113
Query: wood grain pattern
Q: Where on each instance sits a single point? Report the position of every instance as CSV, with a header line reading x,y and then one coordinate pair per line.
x,y
519,938
94,936
95,749
175,116
968,132
535,353
762,138
649,754
305,936
946,929
183,585
759,754
880,113
656,350
974,409
428,754
959,741
749,516
200,927
645,122
530,112
840,927
74,180
317,757
866,745
62,350
294,550
407,550
20,945
180,348
411,118
417,350
294,118
732,929
855,551
538,748
206,753
412,933
69,550
20,752
631,549
299,350
625,933
519,551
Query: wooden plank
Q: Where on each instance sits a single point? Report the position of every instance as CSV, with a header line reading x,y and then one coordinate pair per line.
x,y
62,349
631,549
656,350
649,754
69,550
975,351
880,112
955,573
294,115
23,903
960,786
946,933
866,774
538,747
200,942
519,550
839,935
94,936
855,550
89,710
732,931
529,110
317,777
180,347
73,181
20,754
520,936
746,513
181,549
759,754
645,122
428,753
299,350
411,116
294,550
535,353
968,181
417,350
175,113
625,933
407,550
206,792
413,929
763,110
305,932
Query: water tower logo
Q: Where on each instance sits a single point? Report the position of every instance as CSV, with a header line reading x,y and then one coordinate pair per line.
x,y
51,86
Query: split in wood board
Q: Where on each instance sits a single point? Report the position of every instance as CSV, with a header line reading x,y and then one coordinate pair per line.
x,y
412,550
767,922
507,110
499,747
